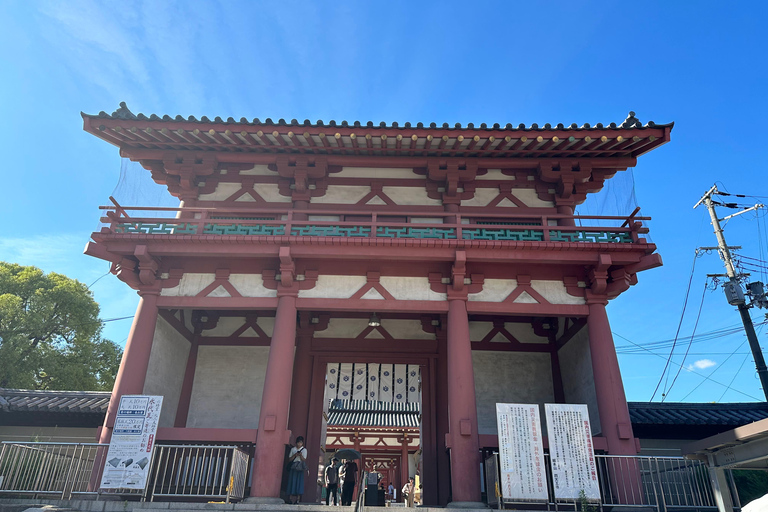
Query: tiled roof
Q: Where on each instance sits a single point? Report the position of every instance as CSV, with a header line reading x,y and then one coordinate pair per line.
x,y
729,414
136,134
124,113
363,413
81,402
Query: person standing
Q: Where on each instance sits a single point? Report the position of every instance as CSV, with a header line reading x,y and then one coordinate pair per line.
x,y
297,467
408,491
332,482
350,477
392,492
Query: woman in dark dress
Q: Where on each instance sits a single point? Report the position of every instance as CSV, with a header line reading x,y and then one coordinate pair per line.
x,y
297,467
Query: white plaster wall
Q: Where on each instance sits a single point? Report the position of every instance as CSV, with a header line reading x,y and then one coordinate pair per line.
x,y
343,328
165,373
251,285
410,288
524,333
482,196
374,172
509,377
494,290
406,329
342,194
190,285
555,292
578,379
495,174
258,170
271,193
222,192
410,196
530,198
227,387
334,287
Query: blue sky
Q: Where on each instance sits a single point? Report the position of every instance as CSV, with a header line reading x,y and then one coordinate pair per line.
x,y
700,64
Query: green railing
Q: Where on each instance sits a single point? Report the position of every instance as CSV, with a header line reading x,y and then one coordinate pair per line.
x,y
591,235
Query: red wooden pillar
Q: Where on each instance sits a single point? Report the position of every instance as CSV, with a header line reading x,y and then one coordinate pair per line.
x,y
462,408
273,416
566,210
440,383
185,397
302,380
611,400
405,466
315,427
133,367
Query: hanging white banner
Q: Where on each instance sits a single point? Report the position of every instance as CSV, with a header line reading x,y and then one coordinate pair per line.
x,y
385,386
133,437
571,451
332,381
413,383
373,382
401,372
360,383
521,453
345,381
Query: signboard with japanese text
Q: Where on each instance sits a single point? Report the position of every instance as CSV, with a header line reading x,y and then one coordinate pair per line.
x,y
571,451
521,453
133,436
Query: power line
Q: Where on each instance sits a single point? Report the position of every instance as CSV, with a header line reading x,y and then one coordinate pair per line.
x,y
743,361
679,325
716,369
694,372
695,326
662,344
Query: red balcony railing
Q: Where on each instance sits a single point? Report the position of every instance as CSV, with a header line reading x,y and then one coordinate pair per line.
x,y
545,227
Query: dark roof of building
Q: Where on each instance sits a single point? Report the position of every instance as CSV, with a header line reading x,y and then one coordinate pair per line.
x,y
729,414
124,113
26,400
139,133
362,413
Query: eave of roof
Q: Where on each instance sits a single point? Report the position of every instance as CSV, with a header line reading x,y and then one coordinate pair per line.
x,y
80,402
129,131
733,414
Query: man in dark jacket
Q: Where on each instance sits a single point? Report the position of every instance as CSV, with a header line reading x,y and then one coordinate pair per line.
x,y
350,478
332,482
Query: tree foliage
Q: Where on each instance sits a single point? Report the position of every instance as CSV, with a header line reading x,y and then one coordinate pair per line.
x,y
50,333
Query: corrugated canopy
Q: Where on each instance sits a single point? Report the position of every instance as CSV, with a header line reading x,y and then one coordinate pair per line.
x,y
363,413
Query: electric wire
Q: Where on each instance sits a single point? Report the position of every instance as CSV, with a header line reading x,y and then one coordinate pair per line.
x,y
699,338
690,341
697,373
679,325
720,366
743,362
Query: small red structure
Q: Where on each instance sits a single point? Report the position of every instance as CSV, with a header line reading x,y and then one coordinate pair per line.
x,y
461,240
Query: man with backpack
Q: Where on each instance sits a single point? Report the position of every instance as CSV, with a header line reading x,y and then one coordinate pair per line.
x,y
332,482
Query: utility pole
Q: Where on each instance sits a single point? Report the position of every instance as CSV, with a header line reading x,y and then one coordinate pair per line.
x,y
733,291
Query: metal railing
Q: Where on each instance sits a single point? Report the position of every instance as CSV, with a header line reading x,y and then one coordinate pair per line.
x,y
67,470
55,469
546,227
663,483
659,483
197,470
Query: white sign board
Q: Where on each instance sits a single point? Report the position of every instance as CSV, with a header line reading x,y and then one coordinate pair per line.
x,y
521,453
133,436
570,448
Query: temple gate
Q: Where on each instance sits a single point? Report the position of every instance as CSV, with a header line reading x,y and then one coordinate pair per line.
x,y
301,245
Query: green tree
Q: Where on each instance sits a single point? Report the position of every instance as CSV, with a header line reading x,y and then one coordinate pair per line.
x,y
50,333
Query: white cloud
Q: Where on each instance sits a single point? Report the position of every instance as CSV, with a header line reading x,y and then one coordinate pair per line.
x,y
701,364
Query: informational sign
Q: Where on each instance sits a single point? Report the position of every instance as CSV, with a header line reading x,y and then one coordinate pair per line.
x,y
521,454
133,436
570,448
